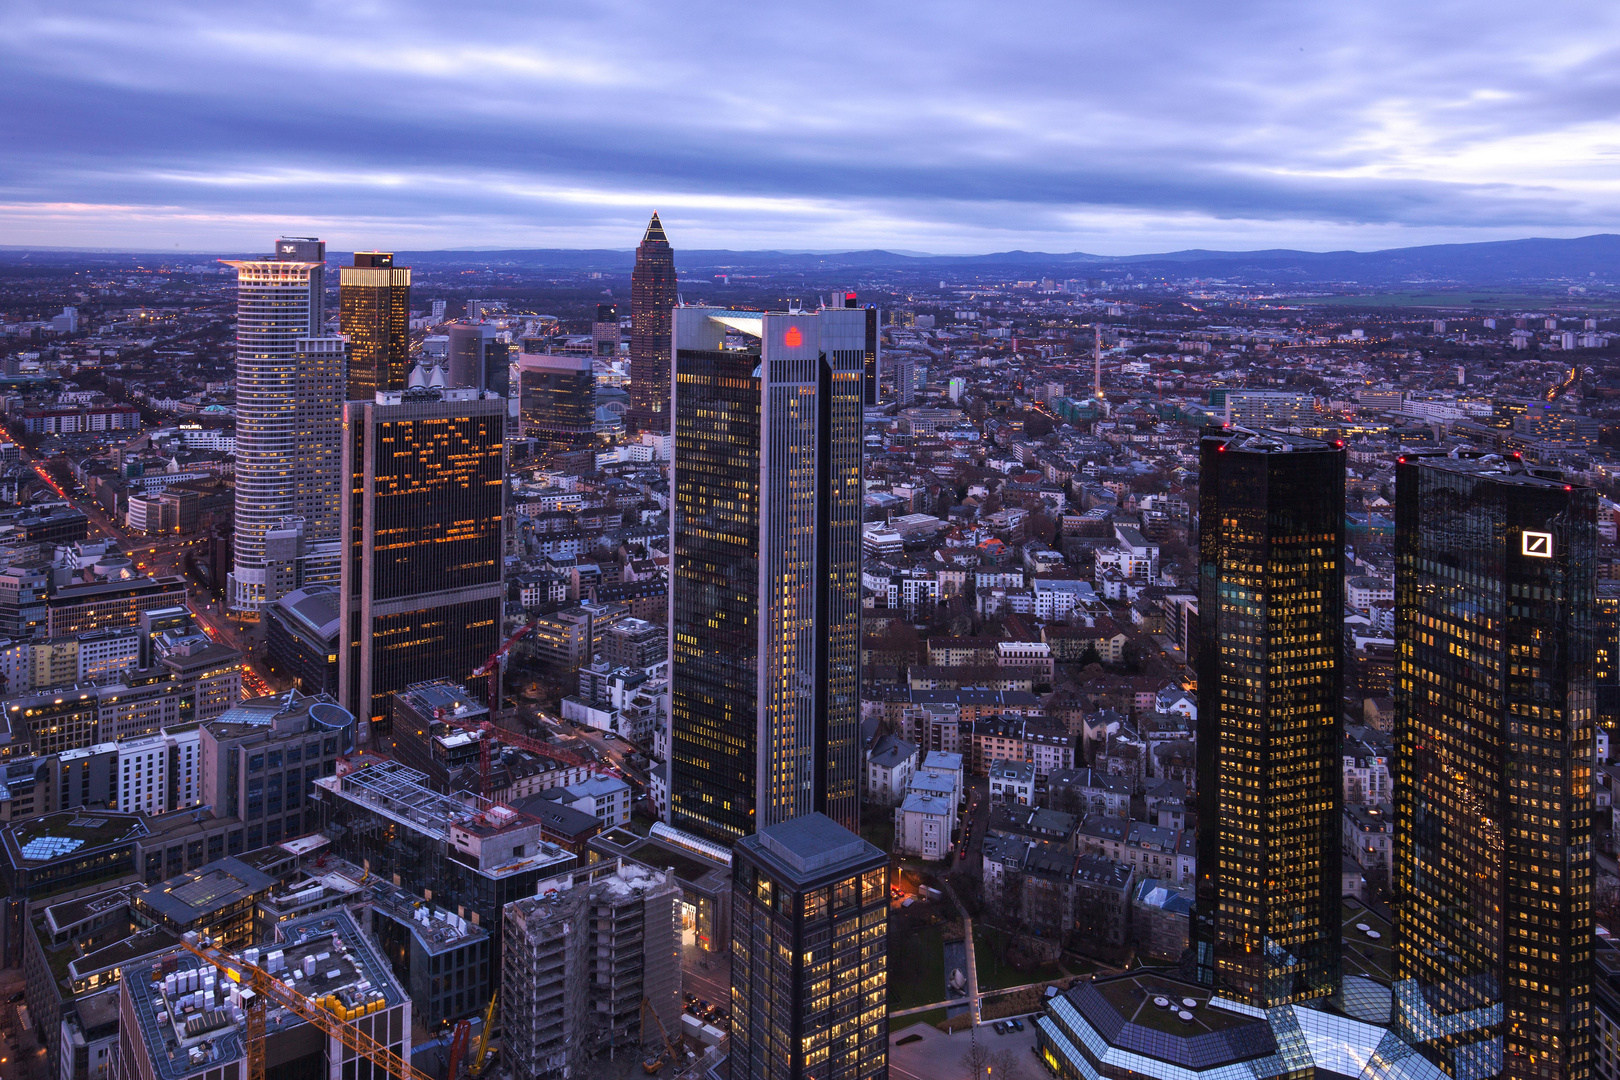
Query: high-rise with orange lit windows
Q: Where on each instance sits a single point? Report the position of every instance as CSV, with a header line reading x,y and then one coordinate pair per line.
x,y
765,568
1266,925
1494,694
423,510
374,313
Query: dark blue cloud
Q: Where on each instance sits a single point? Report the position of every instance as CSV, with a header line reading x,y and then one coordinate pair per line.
x,y
946,127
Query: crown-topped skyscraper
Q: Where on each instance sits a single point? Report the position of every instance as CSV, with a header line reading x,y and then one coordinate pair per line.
x,y
652,298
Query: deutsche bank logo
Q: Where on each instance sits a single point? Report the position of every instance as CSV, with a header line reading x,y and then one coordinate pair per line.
x,y
1538,544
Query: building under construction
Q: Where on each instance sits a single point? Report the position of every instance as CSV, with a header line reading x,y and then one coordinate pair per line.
x,y
580,959
181,1019
460,853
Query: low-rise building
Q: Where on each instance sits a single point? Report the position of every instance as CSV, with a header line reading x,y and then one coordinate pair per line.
x,y
1102,905
1012,782
922,826
889,765
1369,836
1085,791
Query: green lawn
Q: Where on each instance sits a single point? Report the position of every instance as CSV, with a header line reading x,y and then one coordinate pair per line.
x,y
916,967
1363,955
877,827
993,973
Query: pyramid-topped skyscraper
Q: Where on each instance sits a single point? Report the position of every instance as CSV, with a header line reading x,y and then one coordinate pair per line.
x,y
652,298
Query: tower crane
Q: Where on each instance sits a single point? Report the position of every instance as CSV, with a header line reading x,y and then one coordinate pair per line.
x,y
267,988
497,663
489,733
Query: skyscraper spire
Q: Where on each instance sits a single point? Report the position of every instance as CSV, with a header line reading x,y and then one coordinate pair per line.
x,y
652,298
655,231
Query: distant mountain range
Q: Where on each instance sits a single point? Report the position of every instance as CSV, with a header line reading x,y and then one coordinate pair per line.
x,y
1494,262
1497,262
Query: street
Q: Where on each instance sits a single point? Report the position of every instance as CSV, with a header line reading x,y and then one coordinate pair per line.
x,y
164,556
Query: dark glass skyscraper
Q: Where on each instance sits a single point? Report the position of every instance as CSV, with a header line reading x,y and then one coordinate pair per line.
x,y
423,580
809,963
871,373
1494,599
374,312
557,401
765,584
478,358
652,298
605,331
1266,927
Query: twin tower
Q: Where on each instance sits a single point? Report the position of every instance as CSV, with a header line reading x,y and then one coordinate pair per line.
x,y
1493,868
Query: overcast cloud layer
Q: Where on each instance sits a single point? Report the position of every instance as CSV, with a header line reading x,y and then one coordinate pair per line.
x,y
945,127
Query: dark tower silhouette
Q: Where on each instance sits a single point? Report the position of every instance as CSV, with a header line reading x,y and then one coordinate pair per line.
x,y
1495,581
1266,926
652,298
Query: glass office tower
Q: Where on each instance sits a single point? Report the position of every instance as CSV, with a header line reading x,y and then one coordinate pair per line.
x,y
289,427
557,401
477,357
809,963
1266,927
374,312
423,581
652,298
1494,611
765,581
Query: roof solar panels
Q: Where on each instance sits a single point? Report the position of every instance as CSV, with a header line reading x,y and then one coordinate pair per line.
x,y
42,848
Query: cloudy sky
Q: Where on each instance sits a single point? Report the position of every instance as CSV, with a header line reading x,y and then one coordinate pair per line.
x,y
1055,125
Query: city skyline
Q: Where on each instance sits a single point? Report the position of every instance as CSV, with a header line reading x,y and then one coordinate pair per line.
x,y
1240,126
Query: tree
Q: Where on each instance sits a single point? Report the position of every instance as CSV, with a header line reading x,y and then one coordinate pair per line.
x,y
977,1059
1005,1065
1039,526
1089,657
1037,424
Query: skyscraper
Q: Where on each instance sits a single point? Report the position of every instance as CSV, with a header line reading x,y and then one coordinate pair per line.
x,y
870,366
557,401
1494,604
289,394
765,580
809,964
1266,927
652,298
478,358
374,311
423,581
605,331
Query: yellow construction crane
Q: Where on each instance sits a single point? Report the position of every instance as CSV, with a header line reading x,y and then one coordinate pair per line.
x,y
267,988
481,1059
668,1053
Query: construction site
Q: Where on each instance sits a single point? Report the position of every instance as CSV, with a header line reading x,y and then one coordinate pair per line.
x,y
593,969
184,1017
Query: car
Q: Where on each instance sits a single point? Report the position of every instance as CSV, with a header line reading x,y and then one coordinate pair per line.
x,y
963,855
1017,1024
